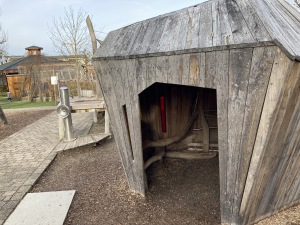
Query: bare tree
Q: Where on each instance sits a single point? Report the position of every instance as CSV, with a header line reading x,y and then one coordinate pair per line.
x,y
70,36
297,2
3,39
31,68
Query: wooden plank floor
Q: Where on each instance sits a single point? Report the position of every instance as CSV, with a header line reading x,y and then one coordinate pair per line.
x,y
81,141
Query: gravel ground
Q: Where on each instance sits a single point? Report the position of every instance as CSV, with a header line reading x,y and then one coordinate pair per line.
x,y
98,127
19,120
290,216
180,191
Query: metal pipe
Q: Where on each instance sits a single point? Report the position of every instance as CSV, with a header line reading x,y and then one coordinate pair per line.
x,y
65,103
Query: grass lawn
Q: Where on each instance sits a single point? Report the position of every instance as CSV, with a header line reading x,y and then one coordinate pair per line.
x,y
5,99
26,105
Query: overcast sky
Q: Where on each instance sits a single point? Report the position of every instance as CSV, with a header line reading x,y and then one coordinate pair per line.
x,y
27,21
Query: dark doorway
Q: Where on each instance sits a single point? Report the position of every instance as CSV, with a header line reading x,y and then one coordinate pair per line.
x,y
191,186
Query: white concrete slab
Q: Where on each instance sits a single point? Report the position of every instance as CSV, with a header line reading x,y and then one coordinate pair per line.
x,y
44,208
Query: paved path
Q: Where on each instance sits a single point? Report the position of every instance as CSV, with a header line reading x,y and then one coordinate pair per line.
x,y
26,154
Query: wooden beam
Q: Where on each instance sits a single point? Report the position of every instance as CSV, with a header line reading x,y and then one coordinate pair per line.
x,y
204,123
187,155
170,140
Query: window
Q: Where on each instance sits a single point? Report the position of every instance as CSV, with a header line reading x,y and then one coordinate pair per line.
x,y
127,125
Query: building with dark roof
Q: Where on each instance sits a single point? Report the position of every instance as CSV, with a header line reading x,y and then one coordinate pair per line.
x,y
13,73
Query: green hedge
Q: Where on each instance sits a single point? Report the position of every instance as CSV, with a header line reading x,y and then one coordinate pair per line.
x,y
3,88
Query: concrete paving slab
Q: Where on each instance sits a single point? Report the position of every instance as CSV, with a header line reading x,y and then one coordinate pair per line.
x,y
49,208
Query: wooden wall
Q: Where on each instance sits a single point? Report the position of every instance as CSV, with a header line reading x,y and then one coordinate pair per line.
x,y
258,121
14,84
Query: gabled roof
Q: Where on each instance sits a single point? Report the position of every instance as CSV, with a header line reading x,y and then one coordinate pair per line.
x,y
41,58
212,25
29,59
33,46
11,65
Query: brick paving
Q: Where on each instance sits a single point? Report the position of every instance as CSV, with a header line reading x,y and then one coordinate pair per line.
x,y
25,155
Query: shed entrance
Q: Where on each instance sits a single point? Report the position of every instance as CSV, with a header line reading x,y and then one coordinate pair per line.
x,y
180,122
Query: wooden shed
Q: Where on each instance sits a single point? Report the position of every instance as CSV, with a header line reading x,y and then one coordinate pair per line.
x,y
223,76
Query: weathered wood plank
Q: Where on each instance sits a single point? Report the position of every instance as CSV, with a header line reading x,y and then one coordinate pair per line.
x,y
210,69
288,134
204,123
292,21
222,34
273,146
128,40
117,69
262,63
151,71
184,29
118,42
239,70
275,24
104,74
150,31
164,64
202,70
138,42
206,26
294,12
176,32
255,25
194,69
222,66
190,39
194,39
240,31
278,79
141,74
166,40
108,42
185,69
132,101
176,69
154,43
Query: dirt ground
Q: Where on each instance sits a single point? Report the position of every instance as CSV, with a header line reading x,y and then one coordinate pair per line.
x,y
180,191
19,120
98,127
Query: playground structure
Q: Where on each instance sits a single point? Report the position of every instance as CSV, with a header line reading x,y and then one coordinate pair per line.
x,y
222,76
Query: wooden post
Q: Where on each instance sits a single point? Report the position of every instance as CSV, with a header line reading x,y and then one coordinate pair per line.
x,y
204,124
54,90
94,44
106,122
95,113
3,117
55,94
